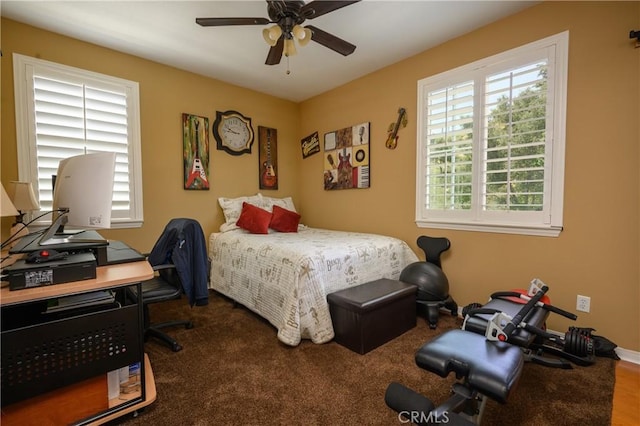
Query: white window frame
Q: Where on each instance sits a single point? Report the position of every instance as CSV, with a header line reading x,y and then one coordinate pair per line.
x,y
24,68
549,222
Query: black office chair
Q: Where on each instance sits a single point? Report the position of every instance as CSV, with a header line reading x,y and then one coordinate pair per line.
x,y
180,262
165,285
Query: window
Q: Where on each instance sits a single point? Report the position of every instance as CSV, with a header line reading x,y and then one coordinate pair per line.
x,y
490,154
63,111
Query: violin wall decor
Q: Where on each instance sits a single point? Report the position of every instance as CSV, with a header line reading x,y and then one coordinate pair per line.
x,y
392,140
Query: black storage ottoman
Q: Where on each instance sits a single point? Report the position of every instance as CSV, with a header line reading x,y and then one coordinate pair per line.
x,y
369,315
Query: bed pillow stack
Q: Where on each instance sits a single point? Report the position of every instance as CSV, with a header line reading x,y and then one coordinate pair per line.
x,y
232,207
285,203
259,214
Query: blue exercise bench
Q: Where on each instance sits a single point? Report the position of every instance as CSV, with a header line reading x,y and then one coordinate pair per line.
x,y
487,357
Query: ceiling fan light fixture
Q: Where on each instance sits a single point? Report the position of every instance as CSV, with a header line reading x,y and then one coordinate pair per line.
x,y
302,34
271,35
267,38
298,32
289,47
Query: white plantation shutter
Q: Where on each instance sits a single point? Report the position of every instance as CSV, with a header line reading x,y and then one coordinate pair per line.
x,y
72,112
449,147
514,148
491,142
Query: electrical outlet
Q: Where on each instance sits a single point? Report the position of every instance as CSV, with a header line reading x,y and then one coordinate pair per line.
x,y
583,304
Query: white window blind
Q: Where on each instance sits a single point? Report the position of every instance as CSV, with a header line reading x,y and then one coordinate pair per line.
x,y
67,112
515,139
449,147
491,142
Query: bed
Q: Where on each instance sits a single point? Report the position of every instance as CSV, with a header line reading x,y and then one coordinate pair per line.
x,y
285,276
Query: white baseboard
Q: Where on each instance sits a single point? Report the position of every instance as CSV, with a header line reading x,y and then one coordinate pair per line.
x,y
628,355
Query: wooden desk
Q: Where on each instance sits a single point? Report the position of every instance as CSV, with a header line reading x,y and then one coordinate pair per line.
x,y
106,277
41,409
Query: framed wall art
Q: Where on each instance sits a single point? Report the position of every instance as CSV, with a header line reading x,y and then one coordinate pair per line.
x,y
310,145
195,151
346,158
268,157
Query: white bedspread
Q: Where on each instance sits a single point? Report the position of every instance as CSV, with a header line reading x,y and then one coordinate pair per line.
x,y
285,277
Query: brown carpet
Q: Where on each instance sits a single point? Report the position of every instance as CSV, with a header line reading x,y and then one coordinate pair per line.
x,y
234,371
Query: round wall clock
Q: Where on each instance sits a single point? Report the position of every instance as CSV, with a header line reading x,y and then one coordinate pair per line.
x,y
233,132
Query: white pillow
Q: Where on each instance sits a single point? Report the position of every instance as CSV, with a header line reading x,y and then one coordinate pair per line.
x,y
285,203
232,207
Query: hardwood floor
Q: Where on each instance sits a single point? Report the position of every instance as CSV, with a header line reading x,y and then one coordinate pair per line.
x,y
626,395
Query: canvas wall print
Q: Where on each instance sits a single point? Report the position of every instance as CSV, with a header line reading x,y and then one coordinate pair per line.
x,y
346,162
268,157
195,151
310,145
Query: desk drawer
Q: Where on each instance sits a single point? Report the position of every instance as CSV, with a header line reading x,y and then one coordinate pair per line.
x,y
47,356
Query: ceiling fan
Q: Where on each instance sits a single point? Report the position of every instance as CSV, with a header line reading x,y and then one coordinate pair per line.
x,y
288,17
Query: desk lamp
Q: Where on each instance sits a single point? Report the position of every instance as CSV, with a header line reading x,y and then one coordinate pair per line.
x,y
7,208
24,200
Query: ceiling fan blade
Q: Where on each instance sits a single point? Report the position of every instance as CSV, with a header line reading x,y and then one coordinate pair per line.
x,y
275,53
219,22
320,7
332,42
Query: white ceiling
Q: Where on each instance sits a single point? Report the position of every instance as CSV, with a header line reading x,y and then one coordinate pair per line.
x,y
384,32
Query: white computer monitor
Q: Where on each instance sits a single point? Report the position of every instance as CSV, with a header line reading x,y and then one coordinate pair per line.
x,y
82,197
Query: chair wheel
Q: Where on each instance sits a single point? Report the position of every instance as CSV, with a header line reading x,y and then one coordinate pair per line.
x,y
188,326
176,347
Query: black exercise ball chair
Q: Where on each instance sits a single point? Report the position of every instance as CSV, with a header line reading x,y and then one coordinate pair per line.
x,y
433,286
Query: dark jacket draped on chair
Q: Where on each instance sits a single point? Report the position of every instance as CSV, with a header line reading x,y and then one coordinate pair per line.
x,y
183,243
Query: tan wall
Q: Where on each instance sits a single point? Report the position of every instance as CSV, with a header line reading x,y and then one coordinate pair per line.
x,y
165,93
596,255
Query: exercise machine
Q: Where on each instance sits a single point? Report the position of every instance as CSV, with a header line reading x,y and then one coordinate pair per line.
x,y
539,346
487,365
485,369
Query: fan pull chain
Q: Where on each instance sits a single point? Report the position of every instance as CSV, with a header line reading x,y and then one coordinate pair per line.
x,y
288,70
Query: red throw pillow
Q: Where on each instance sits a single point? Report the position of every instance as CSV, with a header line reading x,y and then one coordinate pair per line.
x,y
254,219
284,220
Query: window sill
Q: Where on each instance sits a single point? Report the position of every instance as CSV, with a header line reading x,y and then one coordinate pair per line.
x,y
115,224
520,229
123,224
